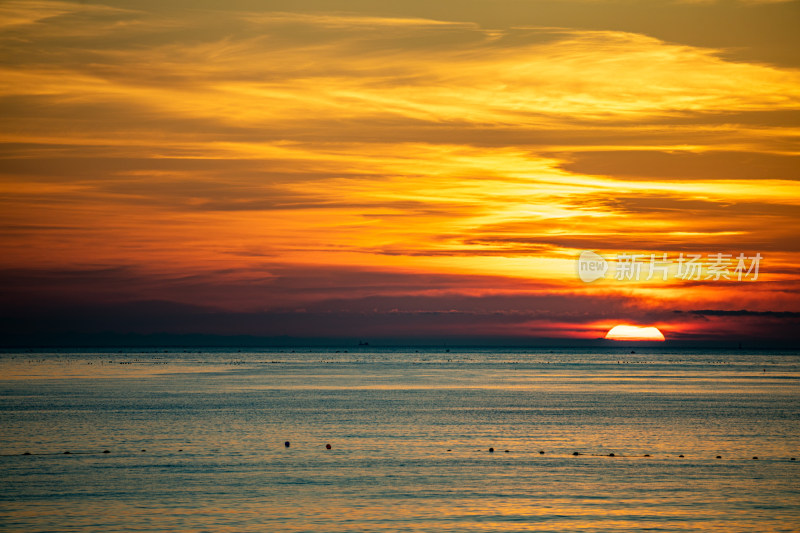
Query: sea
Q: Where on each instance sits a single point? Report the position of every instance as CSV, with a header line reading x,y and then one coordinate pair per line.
x,y
399,439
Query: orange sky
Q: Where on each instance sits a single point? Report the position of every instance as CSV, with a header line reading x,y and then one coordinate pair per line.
x,y
342,169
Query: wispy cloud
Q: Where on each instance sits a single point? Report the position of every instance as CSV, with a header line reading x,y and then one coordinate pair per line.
x,y
179,140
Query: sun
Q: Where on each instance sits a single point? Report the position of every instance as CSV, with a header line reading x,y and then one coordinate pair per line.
x,y
634,333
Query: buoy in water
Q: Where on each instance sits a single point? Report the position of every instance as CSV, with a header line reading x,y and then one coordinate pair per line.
x,y
286,444
327,446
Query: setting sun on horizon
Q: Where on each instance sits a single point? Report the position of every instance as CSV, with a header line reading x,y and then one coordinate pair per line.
x,y
348,265
433,171
634,333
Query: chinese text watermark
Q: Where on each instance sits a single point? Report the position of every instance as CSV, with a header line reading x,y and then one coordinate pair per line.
x,y
661,266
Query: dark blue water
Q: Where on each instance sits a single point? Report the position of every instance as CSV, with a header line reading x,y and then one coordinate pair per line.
x,y
196,441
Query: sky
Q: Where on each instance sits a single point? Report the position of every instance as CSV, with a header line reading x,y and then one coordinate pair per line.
x,y
407,170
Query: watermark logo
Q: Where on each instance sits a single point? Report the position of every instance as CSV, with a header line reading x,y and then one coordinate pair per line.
x,y
591,266
660,266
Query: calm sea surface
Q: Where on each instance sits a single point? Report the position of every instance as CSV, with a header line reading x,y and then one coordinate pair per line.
x,y
195,440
